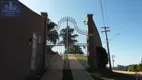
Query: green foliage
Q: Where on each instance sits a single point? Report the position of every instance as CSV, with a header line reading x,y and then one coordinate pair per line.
x,y
74,50
140,66
121,67
51,25
135,67
102,57
52,34
82,59
68,36
130,68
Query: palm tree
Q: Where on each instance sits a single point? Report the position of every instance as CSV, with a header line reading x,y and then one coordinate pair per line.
x,y
52,34
68,37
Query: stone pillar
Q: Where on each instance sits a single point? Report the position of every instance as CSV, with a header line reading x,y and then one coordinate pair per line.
x,y
93,40
45,15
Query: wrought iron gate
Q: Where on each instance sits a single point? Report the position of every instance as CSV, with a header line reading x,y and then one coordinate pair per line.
x,y
66,27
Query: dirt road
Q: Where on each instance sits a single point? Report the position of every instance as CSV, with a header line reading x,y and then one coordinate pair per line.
x,y
139,74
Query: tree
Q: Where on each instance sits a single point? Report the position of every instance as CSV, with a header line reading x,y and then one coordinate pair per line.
x,y
135,67
140,66
130,68
52,34
74,49
102,57
68,36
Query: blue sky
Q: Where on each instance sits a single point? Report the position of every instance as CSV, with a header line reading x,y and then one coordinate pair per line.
x,y
122,16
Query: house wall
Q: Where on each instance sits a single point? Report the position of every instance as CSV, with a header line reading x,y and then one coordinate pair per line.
x,y
15,50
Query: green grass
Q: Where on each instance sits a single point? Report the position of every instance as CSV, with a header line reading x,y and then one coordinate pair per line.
x,y
82,59
64,57
102,74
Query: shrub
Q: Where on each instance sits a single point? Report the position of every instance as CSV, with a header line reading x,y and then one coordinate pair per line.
x,y
102,57
134,67
140,66
130,68
74,50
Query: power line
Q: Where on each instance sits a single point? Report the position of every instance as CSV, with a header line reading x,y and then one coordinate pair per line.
x,y
114,37
102,12
105,30
105,11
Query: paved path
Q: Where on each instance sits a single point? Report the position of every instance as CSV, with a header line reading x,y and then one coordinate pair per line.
x,y
55,66
78,71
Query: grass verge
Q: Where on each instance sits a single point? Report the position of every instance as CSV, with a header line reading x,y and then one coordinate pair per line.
x,y
102,74
105,74
82,59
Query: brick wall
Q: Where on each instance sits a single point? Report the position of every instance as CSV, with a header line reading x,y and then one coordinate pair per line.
x,y
15,50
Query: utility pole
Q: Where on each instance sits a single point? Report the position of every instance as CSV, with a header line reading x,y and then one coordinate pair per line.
x,y
67,61
105,30
113,60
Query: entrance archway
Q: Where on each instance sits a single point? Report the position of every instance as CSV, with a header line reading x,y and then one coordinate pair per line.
x,y
72,39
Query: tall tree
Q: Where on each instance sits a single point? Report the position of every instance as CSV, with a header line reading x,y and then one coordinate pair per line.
x,y
68,37
52,34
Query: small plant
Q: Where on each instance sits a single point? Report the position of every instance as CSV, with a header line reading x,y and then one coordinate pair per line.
x,y
102,57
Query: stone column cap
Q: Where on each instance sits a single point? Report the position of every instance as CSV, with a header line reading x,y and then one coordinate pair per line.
x,y
44,14
89,15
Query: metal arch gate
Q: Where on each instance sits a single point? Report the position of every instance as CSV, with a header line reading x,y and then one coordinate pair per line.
x,y
59,47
